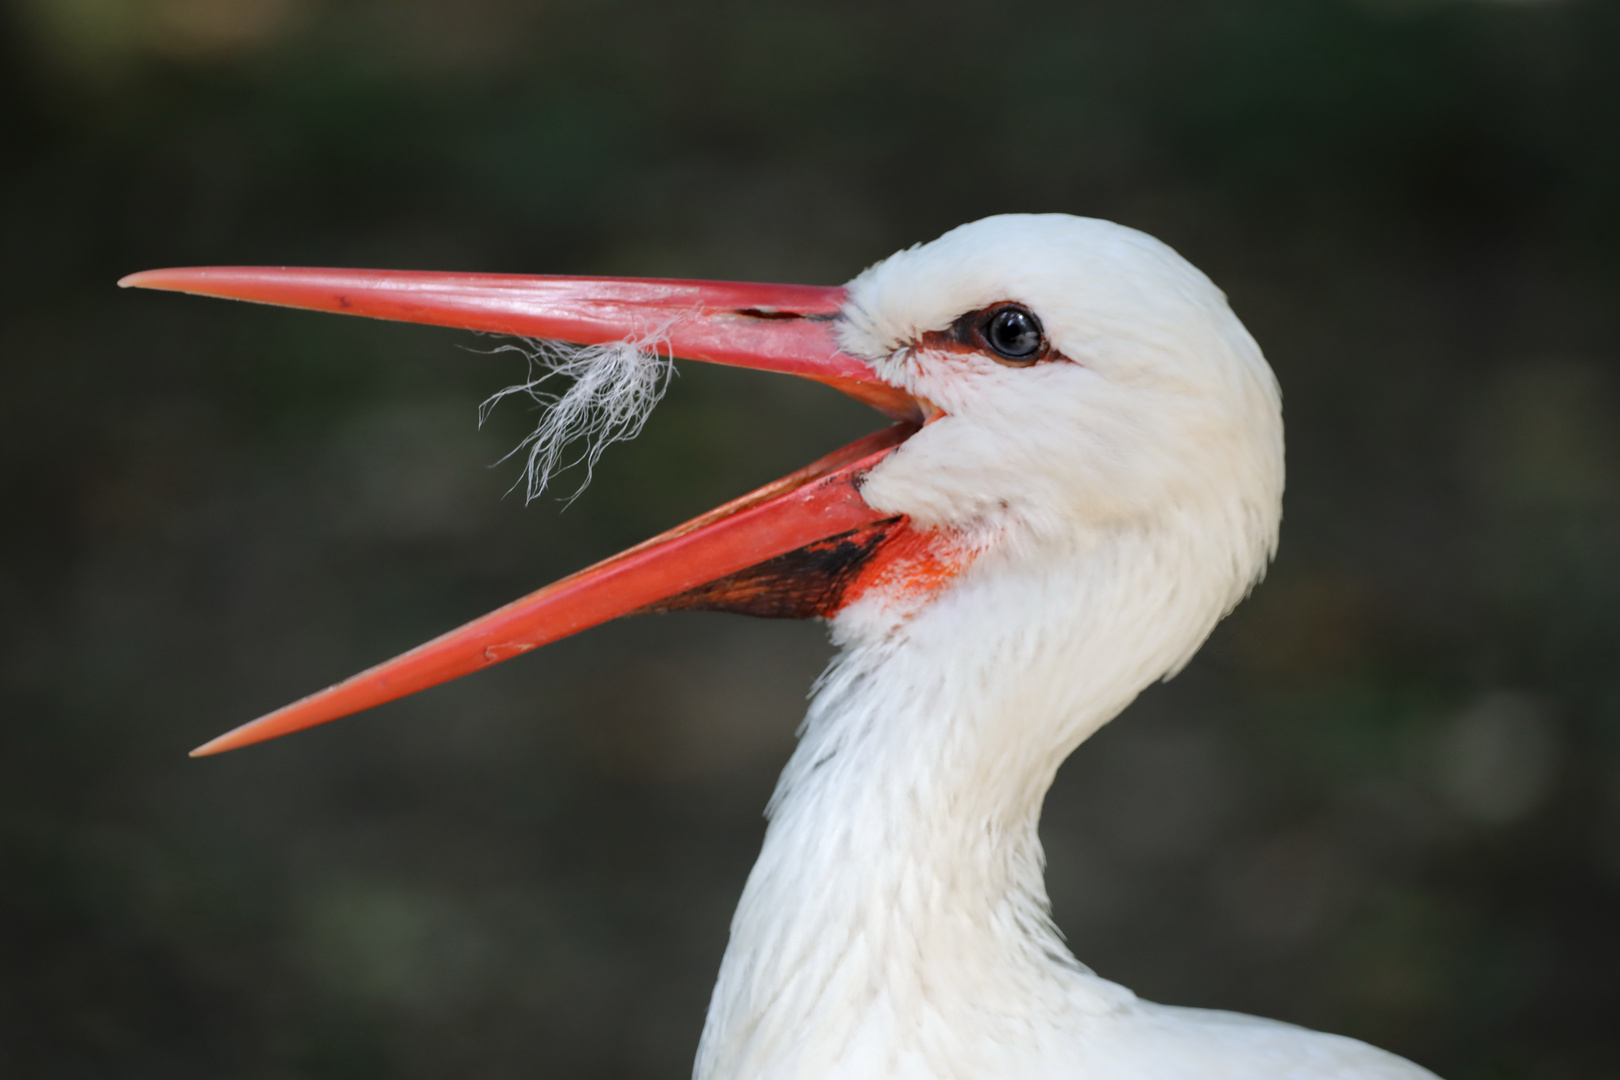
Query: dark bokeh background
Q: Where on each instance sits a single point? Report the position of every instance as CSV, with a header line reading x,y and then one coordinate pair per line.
x,y
1384,801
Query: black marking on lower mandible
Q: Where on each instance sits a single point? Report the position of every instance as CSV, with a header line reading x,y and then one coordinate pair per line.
x,y
801,584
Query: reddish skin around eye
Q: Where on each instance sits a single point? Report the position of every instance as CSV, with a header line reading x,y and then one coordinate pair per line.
x,y
966,335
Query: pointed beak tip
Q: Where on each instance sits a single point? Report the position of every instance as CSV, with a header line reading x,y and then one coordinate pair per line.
x,y
171,279
231,740
143,279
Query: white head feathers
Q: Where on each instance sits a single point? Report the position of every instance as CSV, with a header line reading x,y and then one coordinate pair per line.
x,y
1167,406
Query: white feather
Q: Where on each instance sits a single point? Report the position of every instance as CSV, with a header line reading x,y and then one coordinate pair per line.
x,y
614,388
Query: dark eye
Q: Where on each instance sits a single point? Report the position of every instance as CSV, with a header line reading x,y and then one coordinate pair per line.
x,y
1014,333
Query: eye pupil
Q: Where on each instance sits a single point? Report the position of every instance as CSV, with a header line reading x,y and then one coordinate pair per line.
x,y
1014,333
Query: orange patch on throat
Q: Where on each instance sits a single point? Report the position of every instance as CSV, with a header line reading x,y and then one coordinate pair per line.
x,y
910,565
893,557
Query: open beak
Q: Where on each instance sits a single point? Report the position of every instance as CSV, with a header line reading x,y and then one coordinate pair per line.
x,y
787,549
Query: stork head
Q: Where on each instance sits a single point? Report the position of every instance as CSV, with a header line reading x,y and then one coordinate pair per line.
x,y
1056,380
1086,375
1088,380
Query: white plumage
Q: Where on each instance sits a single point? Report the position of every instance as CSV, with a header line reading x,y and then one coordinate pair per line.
x,y
1108,512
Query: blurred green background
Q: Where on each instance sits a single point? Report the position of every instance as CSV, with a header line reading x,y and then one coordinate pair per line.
x,y
1384,801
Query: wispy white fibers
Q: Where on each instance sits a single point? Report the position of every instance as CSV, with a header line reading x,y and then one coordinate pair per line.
x,y
614,389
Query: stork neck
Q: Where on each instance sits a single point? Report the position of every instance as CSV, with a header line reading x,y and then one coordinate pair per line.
x,y
898,906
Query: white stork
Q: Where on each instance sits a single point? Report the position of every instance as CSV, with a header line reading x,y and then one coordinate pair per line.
x,y
1085,477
